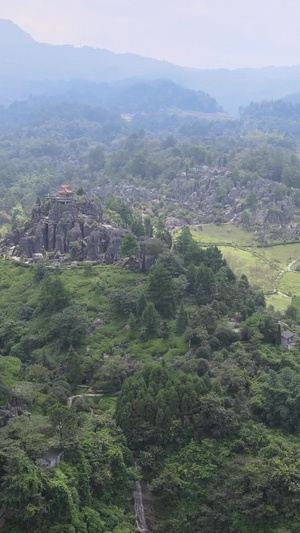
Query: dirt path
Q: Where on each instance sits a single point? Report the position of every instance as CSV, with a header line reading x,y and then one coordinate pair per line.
x,y
71,398
283,294
100,394
289,267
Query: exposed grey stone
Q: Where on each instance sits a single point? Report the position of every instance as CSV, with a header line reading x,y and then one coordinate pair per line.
x,y
146,262
25,312
71,230
37,257
172,222
98,322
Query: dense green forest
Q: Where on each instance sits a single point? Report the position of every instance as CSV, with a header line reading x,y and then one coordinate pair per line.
x,y
275,116
210,412
171,373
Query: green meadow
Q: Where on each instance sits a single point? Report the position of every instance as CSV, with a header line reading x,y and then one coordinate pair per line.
x,y
281,255
278,301
222,234
265,267
260,274
289,283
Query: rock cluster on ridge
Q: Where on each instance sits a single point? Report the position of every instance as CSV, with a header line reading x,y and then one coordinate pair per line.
x,y
71,229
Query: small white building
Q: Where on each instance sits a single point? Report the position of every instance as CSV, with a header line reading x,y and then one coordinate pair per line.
x,y
52,458
287,339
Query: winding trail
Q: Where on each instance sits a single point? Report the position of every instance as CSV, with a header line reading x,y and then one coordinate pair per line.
x,y
289,267
282,294
101,394
280,275
71,398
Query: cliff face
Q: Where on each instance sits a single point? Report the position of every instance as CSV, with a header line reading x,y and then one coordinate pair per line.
x,y
73,229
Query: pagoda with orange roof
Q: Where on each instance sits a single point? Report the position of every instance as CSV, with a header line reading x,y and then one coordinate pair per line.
x,y
65,193
65,190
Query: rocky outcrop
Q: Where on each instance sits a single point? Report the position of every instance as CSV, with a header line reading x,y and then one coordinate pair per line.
x,y
104,240
216,196
146,262
129,193
97,322
70,229
7,414
211,195
173,222
25,312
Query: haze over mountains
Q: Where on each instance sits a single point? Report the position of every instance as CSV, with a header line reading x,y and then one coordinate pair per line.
x,y
28,68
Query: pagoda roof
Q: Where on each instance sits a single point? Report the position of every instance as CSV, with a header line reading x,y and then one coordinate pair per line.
x,y
65,189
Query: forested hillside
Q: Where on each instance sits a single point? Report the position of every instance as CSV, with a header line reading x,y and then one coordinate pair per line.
x,y
278,116
211,403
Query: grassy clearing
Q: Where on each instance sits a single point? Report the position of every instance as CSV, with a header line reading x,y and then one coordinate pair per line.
x,y
224,233
281,255
279,302
260,274
290,283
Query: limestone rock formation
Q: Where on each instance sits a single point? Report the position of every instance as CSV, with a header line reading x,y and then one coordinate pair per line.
x,y
71,228
213,195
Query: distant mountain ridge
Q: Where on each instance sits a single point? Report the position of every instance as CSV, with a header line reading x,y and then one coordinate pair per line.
x,y
28,67
142,97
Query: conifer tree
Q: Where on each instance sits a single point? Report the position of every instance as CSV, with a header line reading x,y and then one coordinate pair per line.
x,y
278,335
148,227
191,277
150,319
161,289
141,304
182,321
183,241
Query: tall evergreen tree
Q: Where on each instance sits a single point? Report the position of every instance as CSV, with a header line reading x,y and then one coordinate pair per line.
x,y
278,335
161,290
183,241
148,227
141,304
182,319
204,284
150,319
191,277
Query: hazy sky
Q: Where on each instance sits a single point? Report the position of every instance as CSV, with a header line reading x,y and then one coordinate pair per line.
x,y
195,33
